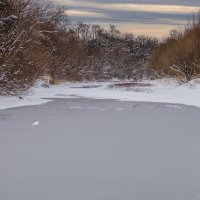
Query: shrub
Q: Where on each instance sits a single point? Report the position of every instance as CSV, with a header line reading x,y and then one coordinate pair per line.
x,y
25,27
179,55
36,40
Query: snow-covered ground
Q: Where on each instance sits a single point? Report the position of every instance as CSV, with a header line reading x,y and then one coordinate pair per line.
x,y
85,149
89,149
165,91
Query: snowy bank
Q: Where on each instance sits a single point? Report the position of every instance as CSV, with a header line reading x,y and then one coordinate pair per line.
x,y
162,91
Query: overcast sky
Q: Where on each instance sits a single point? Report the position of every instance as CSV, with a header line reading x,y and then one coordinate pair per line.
x,y
152,17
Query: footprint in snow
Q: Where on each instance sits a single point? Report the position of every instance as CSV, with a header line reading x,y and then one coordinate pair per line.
x,y
119,109
102,109
75,107
173,106
36,123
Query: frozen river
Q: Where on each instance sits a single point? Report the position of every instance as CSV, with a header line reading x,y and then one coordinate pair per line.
x,y
84,149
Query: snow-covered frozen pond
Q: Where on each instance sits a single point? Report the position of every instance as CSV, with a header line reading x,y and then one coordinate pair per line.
x,y
83,149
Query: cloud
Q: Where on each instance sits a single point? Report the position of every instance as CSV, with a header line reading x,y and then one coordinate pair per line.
x,y
156,15
171,9
161,2
86,14
156,8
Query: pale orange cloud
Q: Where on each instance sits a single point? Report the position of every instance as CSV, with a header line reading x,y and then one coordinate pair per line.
x,y
79,13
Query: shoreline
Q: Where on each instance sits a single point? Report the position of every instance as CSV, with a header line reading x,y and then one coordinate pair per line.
x,y
159,92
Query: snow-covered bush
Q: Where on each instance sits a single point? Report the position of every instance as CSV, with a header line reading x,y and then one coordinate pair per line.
x,y
36,40
115,55
26,29
179,55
